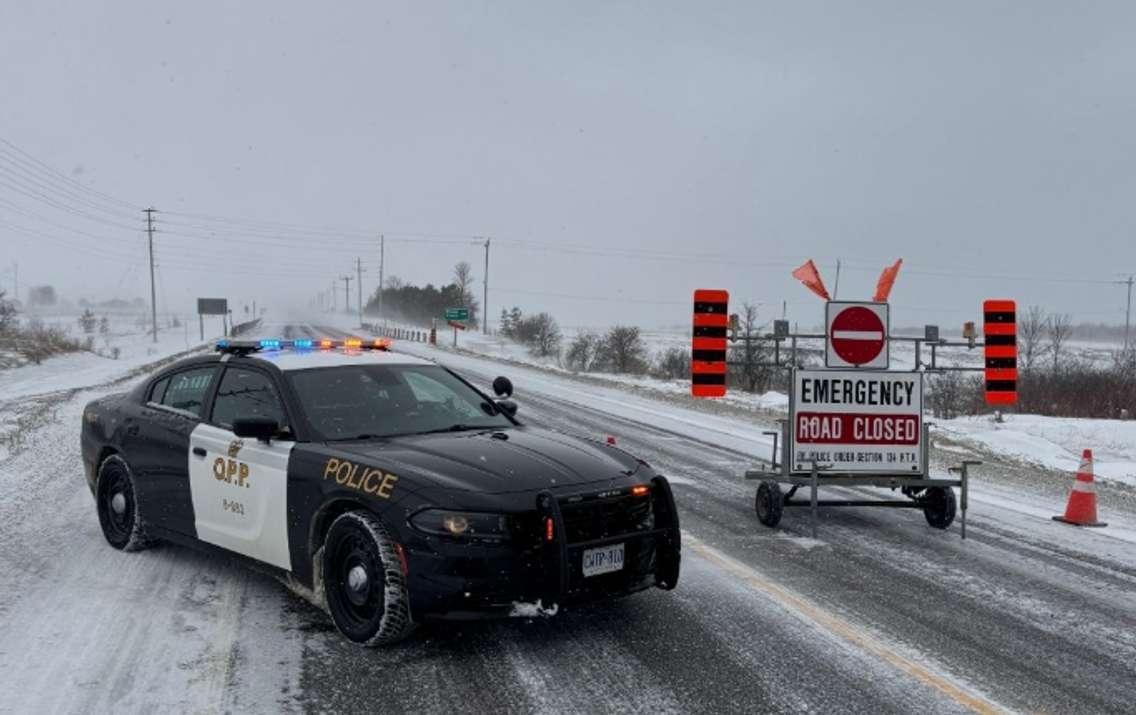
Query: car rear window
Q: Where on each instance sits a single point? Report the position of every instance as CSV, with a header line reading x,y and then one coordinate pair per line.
x,y
186,390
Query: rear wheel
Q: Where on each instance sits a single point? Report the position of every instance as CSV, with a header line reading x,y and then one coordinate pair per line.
x,y
768,503
117,503
939,506
363,581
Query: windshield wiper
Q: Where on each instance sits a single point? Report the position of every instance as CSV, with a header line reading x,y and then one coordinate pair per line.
x,y
456,428
365,435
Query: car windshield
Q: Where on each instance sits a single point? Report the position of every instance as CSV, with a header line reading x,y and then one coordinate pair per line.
x,y
364,401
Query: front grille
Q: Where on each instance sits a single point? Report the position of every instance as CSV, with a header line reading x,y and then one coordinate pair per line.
x,y
595,518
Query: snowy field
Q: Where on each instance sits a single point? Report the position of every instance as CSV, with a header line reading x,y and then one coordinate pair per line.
x,y
1053,442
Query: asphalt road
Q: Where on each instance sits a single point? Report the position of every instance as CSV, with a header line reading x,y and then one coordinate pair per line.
x,y
880,614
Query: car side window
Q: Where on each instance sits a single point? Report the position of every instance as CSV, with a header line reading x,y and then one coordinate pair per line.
x,y
157,390
246,393
186,390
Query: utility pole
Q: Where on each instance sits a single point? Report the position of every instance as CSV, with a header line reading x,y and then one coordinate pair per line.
x,y
485,292
15,280
1127,310
333,298
346,293
359,286
836,286
153,293
382,259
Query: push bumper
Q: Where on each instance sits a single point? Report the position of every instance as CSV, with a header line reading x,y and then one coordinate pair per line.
x,y
471,581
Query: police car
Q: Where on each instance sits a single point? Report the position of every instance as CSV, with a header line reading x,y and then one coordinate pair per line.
x,y
385,487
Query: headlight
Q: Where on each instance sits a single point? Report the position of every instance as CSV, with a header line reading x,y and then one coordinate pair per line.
x,y
462,524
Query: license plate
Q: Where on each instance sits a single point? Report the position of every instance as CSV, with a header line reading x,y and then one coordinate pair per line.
x,y
605,559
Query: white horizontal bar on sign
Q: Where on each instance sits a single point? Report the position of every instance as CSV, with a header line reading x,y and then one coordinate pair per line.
x,y
857,335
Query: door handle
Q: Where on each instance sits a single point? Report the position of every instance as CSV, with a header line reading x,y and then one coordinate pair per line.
x,y
132,430
199,451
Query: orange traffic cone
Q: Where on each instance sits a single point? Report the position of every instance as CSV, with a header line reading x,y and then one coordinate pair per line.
x,y
1082,507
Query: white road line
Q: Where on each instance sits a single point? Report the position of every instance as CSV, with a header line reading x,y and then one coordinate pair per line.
x,y
846,630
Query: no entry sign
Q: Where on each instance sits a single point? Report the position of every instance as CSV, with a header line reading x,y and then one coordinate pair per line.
x,y
856,335
868,421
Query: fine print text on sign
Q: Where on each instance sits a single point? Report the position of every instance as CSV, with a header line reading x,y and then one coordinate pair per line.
x,y
858,421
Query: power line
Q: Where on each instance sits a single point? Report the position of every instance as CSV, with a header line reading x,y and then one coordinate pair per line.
x,y
50,170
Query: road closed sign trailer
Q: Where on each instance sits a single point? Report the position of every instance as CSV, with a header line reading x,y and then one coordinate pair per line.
x,y
857,421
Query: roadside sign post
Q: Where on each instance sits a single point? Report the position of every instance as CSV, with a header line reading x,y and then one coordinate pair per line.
x,y
211,306
456,326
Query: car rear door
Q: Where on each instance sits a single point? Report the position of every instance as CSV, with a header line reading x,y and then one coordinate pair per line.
x,y
240,486
156,445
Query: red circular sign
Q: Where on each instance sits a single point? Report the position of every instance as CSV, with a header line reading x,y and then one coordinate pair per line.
x,y
857,335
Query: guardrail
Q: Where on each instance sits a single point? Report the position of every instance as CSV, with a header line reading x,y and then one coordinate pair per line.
x,y
409,334
246,327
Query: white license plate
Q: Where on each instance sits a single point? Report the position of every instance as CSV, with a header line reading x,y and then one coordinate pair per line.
x,y
605,559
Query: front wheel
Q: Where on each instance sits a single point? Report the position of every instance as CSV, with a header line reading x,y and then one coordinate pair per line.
x,y
363,581
117,503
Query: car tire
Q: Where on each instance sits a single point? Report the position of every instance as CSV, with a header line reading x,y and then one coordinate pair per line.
x,y
939,506
363,583
768,503
116,499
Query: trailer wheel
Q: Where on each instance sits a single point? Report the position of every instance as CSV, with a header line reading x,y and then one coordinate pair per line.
x,y
768,503
939,506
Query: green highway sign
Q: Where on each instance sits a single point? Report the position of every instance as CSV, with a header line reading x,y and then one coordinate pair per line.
x,y
457,313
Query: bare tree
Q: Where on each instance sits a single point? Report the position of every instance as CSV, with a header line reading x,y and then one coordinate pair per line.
x,y
622,350
1058,329
7,314
546,335
582,352
749,355
463,279
1031,335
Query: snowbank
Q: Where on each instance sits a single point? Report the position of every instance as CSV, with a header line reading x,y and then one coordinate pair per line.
x,y
1053,442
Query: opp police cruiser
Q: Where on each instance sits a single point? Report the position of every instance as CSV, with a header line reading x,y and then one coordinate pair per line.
x,y
386,487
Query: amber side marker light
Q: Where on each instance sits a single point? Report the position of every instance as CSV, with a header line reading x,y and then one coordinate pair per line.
x,y
640,490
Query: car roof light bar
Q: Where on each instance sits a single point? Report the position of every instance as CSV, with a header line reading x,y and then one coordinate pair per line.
x,y
245,347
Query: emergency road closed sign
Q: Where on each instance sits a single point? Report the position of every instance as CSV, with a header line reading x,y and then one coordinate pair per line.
x,y
857,421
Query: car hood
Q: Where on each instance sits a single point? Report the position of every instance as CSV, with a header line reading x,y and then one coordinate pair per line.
x,y
512,460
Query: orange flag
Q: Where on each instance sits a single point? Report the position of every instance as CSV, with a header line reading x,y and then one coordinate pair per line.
x,y
809,275
887,280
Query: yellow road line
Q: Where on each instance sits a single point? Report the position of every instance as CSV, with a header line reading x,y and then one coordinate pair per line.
x,y
840,627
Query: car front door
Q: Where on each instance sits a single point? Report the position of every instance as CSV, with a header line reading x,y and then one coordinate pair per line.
x,y
156,445
240,486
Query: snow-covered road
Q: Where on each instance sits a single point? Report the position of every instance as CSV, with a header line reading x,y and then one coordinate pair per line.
x,y
879,614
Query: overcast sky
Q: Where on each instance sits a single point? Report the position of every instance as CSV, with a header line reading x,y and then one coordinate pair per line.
x,y
619,154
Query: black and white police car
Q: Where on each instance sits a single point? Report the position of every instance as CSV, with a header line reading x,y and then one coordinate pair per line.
x,y
384,486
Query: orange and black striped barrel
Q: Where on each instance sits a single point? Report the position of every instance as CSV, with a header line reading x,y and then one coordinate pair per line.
x,y
708,357
1000,330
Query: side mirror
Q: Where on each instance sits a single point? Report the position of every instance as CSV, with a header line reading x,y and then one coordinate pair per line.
x,y
503,387
507,406
262,428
